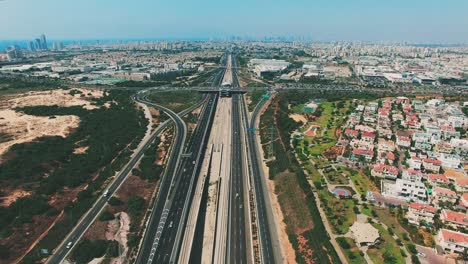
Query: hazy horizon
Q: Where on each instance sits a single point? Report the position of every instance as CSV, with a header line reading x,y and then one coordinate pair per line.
x,y
416,21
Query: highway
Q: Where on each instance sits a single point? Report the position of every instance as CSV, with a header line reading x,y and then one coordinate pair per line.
x,y
163,237
61,252
237,246
268,247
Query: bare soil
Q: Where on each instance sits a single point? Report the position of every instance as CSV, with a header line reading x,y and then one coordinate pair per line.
x,y
20,128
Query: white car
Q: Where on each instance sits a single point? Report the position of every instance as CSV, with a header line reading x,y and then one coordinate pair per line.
x,y
420,254
69,244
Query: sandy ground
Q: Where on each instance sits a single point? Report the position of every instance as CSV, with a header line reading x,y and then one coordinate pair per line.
x,y
13,195
298,118
21,128
58,97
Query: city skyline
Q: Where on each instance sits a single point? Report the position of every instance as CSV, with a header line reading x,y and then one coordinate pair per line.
x,y
415,21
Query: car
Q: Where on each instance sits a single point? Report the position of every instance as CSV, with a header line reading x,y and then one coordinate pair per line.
x,y
69,244
170,225
106,193
421,254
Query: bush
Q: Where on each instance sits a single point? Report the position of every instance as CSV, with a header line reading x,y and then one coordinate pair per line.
x,y
114,201
412,249
4,252
415,259
87,250
343,243
106,216
113,249
135,205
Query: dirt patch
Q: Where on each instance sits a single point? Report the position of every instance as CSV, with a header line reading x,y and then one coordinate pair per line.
x,y
12,196
121,235
298,118
58,97
333,152
133,186
97,230
23,128
304,249
80,150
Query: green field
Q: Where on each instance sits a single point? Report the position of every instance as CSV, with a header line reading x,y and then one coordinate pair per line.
x,y
175,100
386,251
352,252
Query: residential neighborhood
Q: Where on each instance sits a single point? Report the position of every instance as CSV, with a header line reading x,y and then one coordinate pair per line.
x,y
416,150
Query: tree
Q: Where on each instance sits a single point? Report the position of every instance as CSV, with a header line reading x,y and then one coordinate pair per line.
x,y
113,249
135,205
106,216
114,201
4,252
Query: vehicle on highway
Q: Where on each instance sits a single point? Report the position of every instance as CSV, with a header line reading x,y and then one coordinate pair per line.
x,y
69,244
106,193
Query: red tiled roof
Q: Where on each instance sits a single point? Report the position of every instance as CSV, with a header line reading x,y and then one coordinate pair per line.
x,y
454,217
353,132
462,182
433,161
454,237
385,168
363,152
368,134
438,177
445,191
420,206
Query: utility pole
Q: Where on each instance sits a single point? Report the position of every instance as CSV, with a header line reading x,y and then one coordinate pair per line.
x,y
272,138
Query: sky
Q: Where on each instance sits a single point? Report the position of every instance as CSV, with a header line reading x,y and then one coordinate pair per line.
x,y
428,21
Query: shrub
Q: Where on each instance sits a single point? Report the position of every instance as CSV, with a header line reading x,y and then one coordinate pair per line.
x,y
114,201
106,216
87,250
343,243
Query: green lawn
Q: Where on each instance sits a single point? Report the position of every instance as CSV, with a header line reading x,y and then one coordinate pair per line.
x,y
351,251
387,251
361,182
298,109
339,212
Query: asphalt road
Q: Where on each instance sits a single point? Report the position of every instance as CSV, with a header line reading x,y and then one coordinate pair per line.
x,y
266,245
237,246
61,252
162,240
159,211
236,238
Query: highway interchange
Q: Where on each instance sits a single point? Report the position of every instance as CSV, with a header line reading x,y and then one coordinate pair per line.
x,y
165,229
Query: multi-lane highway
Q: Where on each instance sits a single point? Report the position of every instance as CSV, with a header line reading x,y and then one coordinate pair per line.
x,y
162,240
237,246
237,225
62,251
269,240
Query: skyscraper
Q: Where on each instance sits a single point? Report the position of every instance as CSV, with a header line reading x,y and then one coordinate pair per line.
x,y
31,46
38,44
14,53
43,42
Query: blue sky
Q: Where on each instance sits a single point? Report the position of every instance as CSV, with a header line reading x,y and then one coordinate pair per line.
x,y
443,21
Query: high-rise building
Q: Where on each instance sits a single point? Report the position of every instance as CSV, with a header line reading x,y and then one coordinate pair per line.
x,y
58,45
14,53
38,44
43,42
31,46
